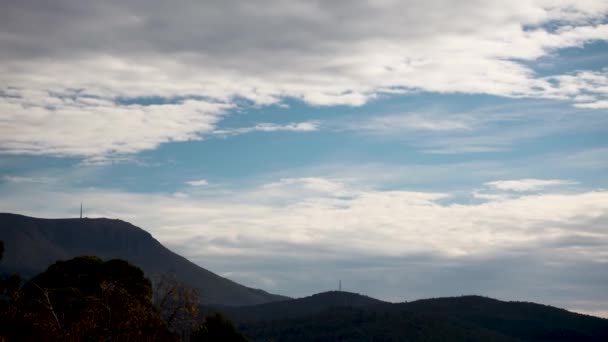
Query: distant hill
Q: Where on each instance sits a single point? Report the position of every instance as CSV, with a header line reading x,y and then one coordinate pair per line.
x,y
524,320
325,317
300,307
32,244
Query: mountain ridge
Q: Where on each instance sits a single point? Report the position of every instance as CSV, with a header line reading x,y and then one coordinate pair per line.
x,y
463,318
32,244
299,307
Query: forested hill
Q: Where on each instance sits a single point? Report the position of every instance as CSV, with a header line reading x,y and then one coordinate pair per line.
x,y
32,244
300,307
467,318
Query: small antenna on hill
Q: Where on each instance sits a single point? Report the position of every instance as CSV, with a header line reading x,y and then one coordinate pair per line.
x,y
340,285
81,210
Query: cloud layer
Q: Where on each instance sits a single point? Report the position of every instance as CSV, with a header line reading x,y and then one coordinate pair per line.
x,y
268,234
528,184
69,70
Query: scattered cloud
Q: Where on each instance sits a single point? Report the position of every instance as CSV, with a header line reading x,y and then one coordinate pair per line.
x,y
529,184
485,128
69,125
199,182
21,179
588,89
294,224
396,124
157,74
180,195
490,196
306,126
601,104
470,49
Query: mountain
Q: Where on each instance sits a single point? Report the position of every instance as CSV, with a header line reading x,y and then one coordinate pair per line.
x,y
300,307
325,317
32,244
524,320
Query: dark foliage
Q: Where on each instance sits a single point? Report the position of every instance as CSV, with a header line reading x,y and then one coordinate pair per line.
x,y
216,327
85,299
359,324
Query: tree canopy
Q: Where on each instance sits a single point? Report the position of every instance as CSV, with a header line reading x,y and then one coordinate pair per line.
x,y
86,298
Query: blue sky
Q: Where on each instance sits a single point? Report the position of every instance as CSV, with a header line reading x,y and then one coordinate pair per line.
x,y
411,149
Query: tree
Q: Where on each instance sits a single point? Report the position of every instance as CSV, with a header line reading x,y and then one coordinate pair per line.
x,y
9,288
86,298
8,284
177,304
216,327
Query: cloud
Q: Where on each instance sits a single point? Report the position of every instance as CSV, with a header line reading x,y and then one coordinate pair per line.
x,y
333,214
603,104
411,242
305,126
71,125
489,196
180,195
294,50
200,182
68,80
482,129
395,124
21,179
529,184
588,89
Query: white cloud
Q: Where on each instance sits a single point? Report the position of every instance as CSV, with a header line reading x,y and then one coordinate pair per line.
x,y
21,179
69,125
529,184
316,184
180,195
601,104
199,182
264,55
297,230
312,213
395,124
64,79
588,89
305,126
485,128
489,196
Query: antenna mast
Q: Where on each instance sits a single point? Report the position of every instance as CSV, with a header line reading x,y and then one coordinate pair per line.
x,y
340,285
81,210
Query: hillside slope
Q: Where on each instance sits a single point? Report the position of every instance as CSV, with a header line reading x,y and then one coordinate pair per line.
x,y
300,307
524,320
32,244
323,317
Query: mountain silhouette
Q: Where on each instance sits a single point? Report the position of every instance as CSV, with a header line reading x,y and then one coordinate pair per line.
x,y
326,317
32,244
300,307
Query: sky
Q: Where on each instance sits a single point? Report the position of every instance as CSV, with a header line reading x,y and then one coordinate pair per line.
x,y
411,149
